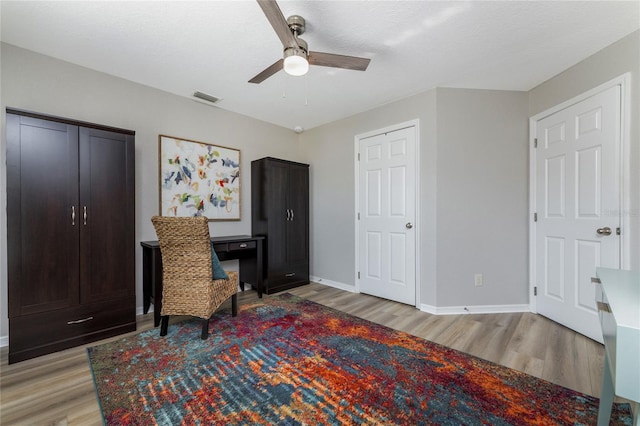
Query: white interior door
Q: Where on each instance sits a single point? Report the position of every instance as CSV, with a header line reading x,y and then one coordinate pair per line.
x,y
577,201
387,210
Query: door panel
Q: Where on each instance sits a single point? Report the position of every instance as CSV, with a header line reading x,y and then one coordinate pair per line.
x,y
397,258
555,186
387,203
577,188
588,184
398,193
373,252
555,264
587,255
106,256
42,188
277,176
373,203
297,225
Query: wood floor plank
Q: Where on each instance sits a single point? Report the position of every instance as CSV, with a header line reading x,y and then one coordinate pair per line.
x,y
57,389
595,356
522,362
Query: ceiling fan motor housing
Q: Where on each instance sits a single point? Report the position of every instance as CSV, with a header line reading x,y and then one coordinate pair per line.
x,y
296,24
301,50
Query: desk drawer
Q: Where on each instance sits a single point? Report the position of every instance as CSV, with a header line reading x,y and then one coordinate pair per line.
x,y
244,245
220,247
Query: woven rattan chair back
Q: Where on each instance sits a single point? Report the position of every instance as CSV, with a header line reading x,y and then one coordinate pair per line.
x,y
187,284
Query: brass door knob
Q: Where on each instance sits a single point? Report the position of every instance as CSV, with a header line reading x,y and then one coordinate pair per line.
x,y
604,231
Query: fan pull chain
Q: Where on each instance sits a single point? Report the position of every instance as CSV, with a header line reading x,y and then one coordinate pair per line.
x,y
284,86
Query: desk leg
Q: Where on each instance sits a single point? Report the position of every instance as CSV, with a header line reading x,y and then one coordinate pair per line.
x,y
146,279
606,395
259,270
157,286
635,406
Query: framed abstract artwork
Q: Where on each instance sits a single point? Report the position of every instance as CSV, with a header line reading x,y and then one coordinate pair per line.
x,y
198,179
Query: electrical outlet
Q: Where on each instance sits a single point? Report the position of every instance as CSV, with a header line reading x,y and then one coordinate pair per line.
x,y
478,280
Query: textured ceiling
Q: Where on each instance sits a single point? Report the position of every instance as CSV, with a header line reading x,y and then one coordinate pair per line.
x,y
217,46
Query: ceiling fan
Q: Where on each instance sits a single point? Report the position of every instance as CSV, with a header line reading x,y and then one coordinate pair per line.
x,y
297,56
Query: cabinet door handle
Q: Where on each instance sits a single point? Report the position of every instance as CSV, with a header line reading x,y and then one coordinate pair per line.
x,y
292,214
79,321
288,214
290,274
73,215
243,245
84,214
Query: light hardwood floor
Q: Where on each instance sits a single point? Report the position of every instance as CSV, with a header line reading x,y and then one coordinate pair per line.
x,y
57,389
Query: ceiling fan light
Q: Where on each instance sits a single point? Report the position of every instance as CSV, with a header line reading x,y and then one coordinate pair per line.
x,y
295,62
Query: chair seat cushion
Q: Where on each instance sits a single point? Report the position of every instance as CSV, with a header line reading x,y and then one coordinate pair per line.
x,y
218,272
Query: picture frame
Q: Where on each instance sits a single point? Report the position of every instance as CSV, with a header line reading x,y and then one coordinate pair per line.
x,y
198,179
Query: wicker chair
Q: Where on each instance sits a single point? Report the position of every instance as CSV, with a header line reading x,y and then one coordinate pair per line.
x,y
188,287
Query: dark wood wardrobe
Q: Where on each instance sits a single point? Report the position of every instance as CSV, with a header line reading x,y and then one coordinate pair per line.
x,y
70,233
280,212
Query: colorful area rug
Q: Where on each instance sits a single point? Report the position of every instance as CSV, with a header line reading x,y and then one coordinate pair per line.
x,y
289,361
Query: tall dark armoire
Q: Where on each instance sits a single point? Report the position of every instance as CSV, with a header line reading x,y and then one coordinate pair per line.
x,y
70,233
280,212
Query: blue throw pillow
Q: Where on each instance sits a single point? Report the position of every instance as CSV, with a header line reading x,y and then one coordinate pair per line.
x,y
218,272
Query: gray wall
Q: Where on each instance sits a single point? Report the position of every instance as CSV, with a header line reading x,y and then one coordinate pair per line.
x,y
42,84
473,157
613,61
482,197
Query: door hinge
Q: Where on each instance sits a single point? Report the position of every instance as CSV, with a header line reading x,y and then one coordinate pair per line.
x,y
535,142
618,231
359,217
535,217
358,156
535,291
358,274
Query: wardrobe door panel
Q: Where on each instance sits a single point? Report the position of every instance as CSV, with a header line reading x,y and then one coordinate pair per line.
x,y
298,226
42,215
277,183
106,238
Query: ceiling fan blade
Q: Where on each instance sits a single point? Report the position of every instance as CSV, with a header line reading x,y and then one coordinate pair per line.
x,y
278,22
338,61
271,70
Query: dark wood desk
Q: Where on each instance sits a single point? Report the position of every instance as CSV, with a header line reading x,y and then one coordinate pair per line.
x,y
248,250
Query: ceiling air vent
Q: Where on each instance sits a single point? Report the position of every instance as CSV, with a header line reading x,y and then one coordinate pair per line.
x,y
206,97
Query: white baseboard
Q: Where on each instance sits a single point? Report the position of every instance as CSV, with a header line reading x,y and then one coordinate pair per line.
x,y
474,309
334,284
435,310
